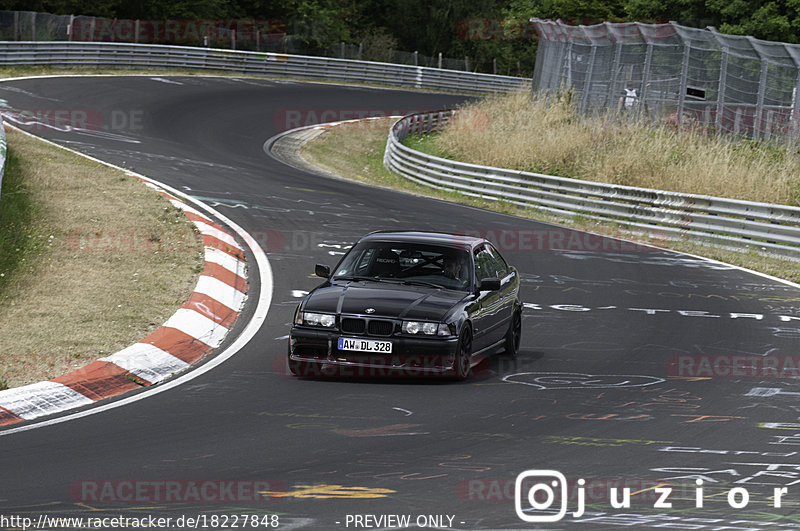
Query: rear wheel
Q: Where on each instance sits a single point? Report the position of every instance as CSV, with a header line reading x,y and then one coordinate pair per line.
x,y
514,335
463,361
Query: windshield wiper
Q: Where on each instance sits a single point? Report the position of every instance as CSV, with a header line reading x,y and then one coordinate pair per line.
x,y
355,277
421,283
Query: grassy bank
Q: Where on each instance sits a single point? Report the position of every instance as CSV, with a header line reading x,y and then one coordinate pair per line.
x,y
355,151
91,261
514,132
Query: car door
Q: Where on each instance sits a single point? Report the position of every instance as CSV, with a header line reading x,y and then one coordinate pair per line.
x,y
508,291
489,317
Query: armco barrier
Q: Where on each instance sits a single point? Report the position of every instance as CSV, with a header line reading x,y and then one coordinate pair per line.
x,y
766,227
151,56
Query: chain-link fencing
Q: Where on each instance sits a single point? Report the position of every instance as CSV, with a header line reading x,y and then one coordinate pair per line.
x,y
686,77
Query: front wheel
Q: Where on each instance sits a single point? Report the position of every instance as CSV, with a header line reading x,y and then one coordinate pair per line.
x,y
463,362
514,335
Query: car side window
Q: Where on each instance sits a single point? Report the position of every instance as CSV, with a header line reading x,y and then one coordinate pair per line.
x,y
483,264
499,265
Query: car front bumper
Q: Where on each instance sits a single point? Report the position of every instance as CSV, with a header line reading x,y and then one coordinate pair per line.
x,y
315,353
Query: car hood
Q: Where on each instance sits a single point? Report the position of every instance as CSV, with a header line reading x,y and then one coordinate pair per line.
x,y
388,300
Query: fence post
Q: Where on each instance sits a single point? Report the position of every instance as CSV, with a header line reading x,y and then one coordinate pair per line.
x,y
568,65
613,87
723,82
648,61
416,58
466,63
69,27
440,60
587,84
684,81
795,115
762,89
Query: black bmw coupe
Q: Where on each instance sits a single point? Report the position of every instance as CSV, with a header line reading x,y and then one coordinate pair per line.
x,y
408,304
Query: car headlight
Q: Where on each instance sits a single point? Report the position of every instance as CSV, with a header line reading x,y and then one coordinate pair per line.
x,y
316,319
425,328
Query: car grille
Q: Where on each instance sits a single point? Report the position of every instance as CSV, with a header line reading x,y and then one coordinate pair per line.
x,y
381,328
373,327
353,326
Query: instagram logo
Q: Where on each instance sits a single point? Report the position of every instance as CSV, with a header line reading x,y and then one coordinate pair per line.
x,y
540,485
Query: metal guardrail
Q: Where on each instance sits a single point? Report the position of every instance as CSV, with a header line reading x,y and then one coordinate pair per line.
x,y
126,55
763,226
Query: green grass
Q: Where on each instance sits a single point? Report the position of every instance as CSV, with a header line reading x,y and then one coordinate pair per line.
x,y
17,211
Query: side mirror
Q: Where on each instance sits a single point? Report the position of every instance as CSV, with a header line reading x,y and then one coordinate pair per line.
x,y
322,271
489,284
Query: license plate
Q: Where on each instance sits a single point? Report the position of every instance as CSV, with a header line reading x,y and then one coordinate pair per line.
x,y
365,345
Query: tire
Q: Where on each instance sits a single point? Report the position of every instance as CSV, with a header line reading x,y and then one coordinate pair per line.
x,y
462,366
514,335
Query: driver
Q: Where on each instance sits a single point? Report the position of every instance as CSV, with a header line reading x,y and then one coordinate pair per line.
x,y
452,268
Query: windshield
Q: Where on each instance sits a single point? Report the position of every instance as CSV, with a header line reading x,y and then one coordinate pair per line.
x,y
410,263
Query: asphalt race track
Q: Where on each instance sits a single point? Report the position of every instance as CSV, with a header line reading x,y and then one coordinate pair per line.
x,y
659,358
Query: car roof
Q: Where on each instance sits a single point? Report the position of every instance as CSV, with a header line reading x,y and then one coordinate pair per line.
x,y
437,238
